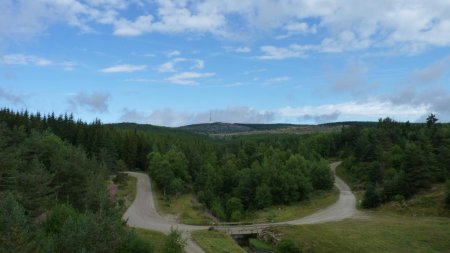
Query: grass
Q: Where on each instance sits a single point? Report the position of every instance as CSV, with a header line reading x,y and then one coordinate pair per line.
x,y
157,239
382,233
187,210
318,201
427,203
260,245
126,192
216,242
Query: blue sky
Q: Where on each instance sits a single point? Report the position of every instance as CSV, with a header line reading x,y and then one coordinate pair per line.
x,y
176,62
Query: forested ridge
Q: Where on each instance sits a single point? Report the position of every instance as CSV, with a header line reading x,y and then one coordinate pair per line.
x,y
54,169
395,160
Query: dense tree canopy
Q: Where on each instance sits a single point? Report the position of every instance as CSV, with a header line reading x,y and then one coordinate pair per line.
x,y
396,160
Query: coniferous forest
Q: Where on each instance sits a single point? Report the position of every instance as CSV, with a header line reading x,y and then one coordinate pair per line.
x,y
54,169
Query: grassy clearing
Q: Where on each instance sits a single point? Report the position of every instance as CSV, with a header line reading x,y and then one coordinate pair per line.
x,y
216,242
157,239
184,207
318,201
428,203
128,192
379,234
191,212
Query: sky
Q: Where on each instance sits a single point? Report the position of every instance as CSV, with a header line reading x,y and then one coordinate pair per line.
x,y
179,62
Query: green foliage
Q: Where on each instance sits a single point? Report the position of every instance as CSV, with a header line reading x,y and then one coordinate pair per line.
x,y
287,246
371,198
234,208
175,242
57,217
431,120
170,171
263,197
53,194
14,231
447,193
322,177
137,244
400,158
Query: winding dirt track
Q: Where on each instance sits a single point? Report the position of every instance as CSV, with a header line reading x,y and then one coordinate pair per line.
x,y
142,213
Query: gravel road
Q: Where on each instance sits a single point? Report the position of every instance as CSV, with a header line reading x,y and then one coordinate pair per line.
x,y
142,213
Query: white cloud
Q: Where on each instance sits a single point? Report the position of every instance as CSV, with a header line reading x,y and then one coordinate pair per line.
x,y
407,25
124,68
170,65
297,28
173,53
167,67
142,24
188,78
21,59
32,60
281,53
238,49
371,110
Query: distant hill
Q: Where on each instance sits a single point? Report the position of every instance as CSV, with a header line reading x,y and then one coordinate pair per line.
x,y
219,129
152,129
228,129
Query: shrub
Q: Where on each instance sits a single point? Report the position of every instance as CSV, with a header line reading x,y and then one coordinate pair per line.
x,y
287,246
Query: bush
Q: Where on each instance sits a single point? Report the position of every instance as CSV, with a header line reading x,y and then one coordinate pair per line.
x,y
322,177
447,198
138,245
287,246
175,242
371,198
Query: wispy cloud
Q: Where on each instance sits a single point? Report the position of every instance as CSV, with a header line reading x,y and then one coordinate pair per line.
x,y
173,53
170,66
320,118
238,49
33,60
254,71
124,68
358,110
188,78
170,117
95,102
21,59
278,79
433,72
141,25
281,53
10,97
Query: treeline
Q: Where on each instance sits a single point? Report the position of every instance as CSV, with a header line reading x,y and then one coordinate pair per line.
x,y
53,198
108,143
395,160
230,177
